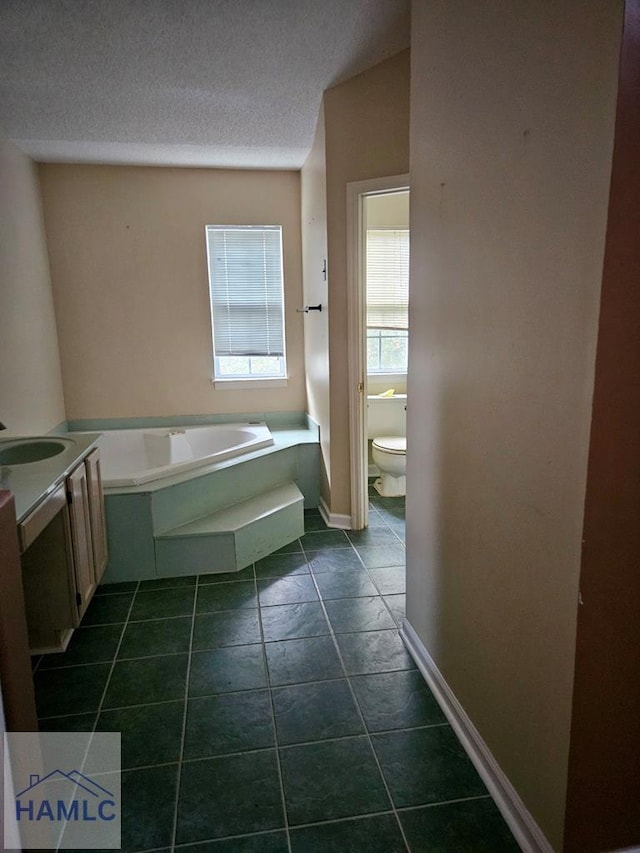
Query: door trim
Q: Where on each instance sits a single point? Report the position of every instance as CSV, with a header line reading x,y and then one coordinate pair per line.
x,y
356,342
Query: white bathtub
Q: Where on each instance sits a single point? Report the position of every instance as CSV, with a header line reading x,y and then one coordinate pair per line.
x,y
131,457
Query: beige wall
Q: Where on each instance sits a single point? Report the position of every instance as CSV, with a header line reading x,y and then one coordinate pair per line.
x,y
367,136
128,265
511,139
31,399
313,192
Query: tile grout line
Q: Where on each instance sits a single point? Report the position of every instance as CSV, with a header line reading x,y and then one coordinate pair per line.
x,y
114,661
335,820
256,750
91,733
115,708
98,662
366,568
404,546
265,663
359,710
185,848
348,737
144,767
289,746
225,838
239,692
445,803
174,828
348,545
353,547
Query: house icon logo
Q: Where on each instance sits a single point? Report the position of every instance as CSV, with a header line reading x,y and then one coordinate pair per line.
x,y
63,790
61,797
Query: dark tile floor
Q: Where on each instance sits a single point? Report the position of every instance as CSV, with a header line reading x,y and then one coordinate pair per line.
x,y
275,710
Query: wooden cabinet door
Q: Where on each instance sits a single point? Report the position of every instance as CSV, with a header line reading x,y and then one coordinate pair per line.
x,y
96,513
48,575
78,496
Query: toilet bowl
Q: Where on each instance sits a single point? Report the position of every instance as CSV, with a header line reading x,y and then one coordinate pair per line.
x,y
387,430
390,455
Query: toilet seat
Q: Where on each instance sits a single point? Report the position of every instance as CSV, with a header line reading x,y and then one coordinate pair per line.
x,y
396,445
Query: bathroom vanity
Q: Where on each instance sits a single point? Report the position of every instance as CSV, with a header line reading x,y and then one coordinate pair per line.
x,y
61,532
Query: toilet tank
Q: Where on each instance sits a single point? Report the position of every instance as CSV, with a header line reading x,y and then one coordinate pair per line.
x,y
386,415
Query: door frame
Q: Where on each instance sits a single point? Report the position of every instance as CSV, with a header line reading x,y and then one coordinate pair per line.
x,y
357,191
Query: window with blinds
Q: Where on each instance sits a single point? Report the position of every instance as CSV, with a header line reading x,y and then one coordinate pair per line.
x,y
387,278
247,301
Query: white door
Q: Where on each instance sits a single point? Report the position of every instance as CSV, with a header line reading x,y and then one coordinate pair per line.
x,y
357,193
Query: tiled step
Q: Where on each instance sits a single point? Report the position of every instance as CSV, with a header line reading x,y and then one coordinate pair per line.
x,y
234,537
233,482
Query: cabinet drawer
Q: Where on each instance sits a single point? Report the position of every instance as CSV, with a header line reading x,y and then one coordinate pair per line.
x,y
32,526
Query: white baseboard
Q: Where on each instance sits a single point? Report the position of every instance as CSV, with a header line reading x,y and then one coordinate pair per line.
x,y
520,821
334,519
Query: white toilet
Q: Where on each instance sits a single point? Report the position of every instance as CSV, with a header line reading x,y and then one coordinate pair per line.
x,y
386,426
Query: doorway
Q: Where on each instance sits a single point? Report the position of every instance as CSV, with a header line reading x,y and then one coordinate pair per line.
x,y
378,203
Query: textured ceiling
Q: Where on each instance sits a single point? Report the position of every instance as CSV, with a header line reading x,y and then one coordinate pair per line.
x,y
228,83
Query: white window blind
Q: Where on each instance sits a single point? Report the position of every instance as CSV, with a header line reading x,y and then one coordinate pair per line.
x,y
246,290
387,256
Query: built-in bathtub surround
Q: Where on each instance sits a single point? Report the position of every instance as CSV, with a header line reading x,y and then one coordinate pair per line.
x,y
217,518
132,457
274,420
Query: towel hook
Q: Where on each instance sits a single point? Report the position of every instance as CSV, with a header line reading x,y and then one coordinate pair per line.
x,y
308,308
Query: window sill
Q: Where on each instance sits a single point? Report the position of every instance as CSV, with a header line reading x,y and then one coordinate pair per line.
x,y
248,384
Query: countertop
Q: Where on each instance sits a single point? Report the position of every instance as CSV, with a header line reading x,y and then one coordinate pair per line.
x,y
31,483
